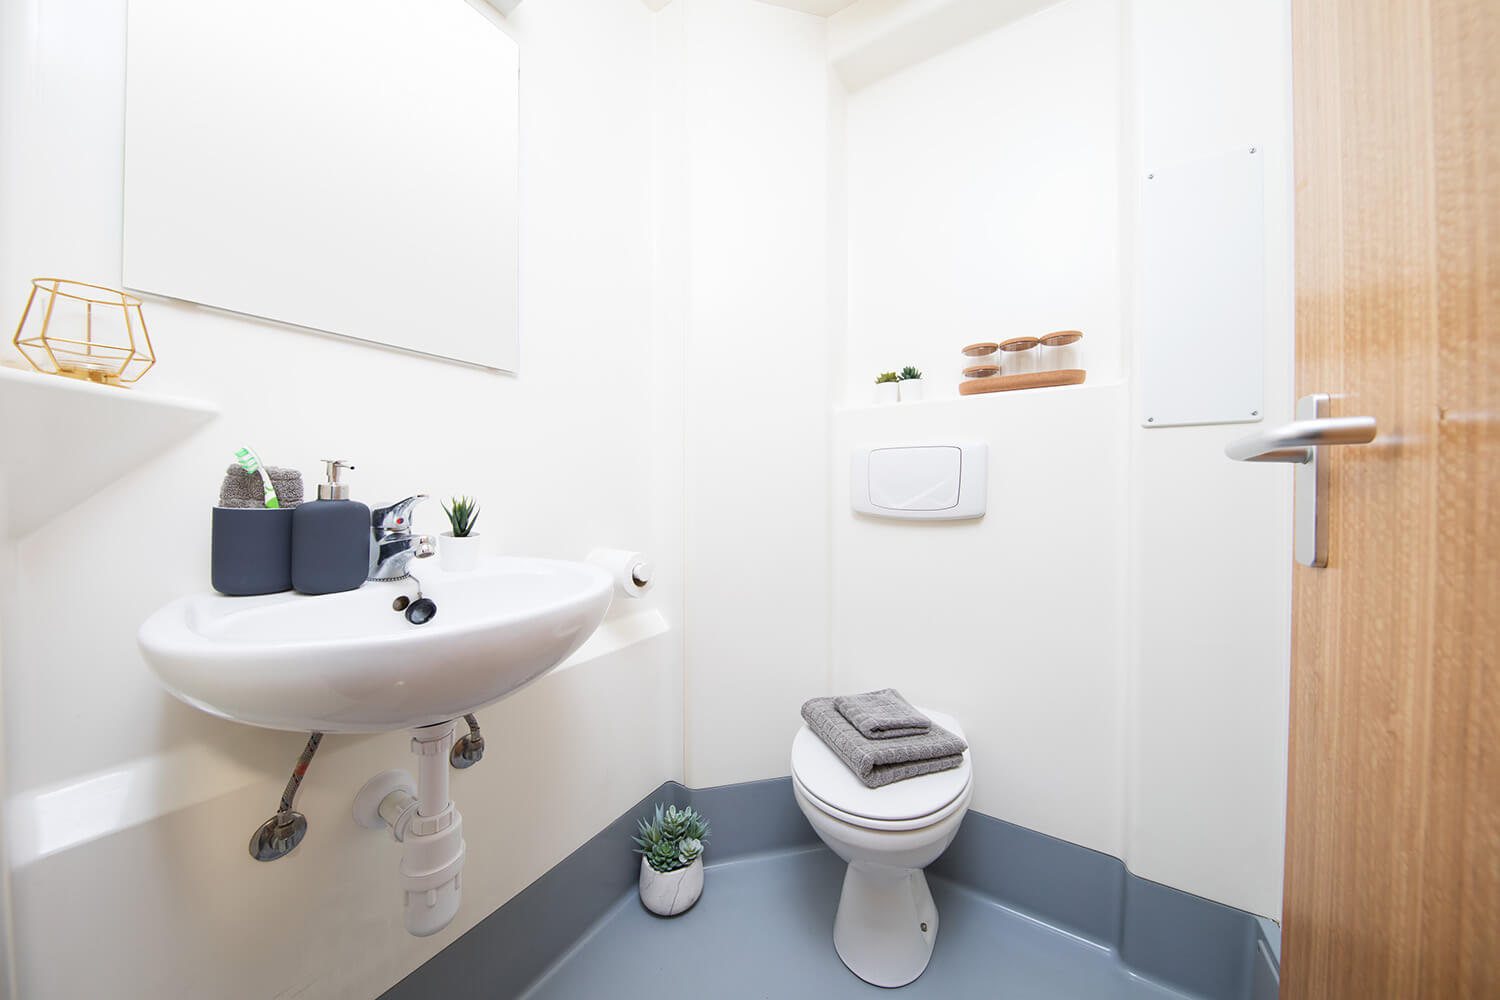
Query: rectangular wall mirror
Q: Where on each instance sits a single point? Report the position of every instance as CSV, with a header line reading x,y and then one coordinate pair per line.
x,y
344,165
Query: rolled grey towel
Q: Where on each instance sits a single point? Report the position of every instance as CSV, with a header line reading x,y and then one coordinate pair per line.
x,y
882,715
241,489
880,762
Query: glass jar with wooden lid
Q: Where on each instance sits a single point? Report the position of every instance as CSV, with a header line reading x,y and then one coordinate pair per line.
x,y
1062,350
1018,356
981,360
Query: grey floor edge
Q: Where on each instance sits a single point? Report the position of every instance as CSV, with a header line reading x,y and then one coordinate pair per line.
x,y
1023,915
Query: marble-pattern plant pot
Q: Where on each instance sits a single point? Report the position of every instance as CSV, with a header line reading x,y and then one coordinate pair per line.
x,y
670,893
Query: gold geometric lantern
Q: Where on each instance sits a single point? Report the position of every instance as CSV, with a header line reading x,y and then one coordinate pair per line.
x,y
84,331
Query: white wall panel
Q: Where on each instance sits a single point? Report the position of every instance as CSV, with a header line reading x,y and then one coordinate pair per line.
x,y
757,408
1203,331
1211,544
995,189
984,200
1013,623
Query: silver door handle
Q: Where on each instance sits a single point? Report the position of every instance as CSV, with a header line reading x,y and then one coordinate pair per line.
x,y
1301,443
1295,441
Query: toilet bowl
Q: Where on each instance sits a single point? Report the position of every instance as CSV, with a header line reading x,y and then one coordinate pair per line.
x,y
886,923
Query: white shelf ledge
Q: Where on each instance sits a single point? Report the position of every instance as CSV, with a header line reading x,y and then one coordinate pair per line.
x,y
977,401
617,633
62,440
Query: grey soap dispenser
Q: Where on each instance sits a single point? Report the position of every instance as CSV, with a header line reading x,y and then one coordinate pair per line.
x,y
330,538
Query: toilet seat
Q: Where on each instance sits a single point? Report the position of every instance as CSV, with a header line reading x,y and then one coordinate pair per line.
x,y
902,805
883,826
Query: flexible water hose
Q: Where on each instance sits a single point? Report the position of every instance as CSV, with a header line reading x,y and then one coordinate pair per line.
x,y
468,750
297,772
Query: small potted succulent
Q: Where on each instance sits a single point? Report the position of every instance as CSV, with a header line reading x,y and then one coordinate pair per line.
x,y
910,384
458,550
886,387
671,850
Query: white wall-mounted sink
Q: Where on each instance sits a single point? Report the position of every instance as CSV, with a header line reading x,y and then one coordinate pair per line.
x,y
351,663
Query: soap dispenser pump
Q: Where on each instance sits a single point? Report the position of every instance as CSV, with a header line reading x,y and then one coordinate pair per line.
x,y
330,538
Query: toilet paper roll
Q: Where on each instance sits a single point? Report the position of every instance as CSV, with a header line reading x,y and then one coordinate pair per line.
x,y
632,572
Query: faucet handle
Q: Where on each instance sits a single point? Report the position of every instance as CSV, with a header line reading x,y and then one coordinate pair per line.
x,y
396,517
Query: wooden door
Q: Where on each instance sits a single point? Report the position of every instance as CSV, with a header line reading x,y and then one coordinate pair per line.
x,y
1393,826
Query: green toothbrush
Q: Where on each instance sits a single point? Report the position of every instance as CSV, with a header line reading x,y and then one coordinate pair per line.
x,y
250,462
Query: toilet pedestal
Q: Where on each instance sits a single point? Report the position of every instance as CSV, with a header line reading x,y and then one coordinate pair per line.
x,y
886,923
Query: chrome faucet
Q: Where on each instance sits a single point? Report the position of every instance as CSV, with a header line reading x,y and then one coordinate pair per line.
x,y
392,545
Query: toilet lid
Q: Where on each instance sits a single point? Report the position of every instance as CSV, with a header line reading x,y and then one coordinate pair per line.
x,y
825,776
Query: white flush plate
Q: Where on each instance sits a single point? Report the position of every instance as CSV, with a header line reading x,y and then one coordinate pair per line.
x,y
924,482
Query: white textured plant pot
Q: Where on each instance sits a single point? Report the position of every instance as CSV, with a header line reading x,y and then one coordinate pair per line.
x,y
458,555
670,893
911,390
887,392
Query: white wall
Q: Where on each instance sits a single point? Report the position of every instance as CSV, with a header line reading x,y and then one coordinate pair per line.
x,y
983,194
1211,548
7,929
1014,623
757,377
1114,633
582,449
733,245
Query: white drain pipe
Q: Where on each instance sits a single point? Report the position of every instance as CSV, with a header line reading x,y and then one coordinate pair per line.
x,y
422,818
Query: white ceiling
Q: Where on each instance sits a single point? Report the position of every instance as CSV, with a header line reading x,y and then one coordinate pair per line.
x,y
823,7
820,7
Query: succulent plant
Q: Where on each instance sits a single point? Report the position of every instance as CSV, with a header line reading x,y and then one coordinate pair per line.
x,y
909,372
462,515
887,377
673,839
663,858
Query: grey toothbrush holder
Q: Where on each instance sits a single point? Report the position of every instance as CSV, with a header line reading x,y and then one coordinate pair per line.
x,y
251,550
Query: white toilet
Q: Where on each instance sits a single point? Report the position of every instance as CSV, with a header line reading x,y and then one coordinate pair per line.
x,y
886,923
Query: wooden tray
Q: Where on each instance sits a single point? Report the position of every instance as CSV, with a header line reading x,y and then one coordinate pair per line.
x,y
1030,380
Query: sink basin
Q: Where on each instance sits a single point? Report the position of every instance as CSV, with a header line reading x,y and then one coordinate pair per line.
x,y
350,663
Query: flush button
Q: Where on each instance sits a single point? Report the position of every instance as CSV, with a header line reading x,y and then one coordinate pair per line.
x,y
929,481
914,478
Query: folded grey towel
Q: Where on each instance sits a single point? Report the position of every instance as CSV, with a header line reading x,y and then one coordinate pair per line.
x,y
880,762
241,489
882,715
